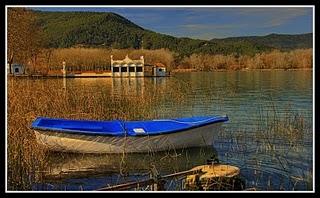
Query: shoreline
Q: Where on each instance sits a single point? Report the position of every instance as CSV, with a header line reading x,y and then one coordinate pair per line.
x,y
228,70
171,72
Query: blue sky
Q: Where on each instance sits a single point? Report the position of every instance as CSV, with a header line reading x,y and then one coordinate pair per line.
x,y
212,22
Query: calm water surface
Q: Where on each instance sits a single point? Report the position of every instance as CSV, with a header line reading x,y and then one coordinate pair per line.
x,y
255,101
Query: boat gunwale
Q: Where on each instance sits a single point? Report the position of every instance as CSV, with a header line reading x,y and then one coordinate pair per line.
x,y
125,134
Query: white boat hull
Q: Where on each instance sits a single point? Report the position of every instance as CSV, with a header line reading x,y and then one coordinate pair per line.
x,y
67,142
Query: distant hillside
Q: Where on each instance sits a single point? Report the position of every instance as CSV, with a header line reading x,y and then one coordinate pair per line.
x,y
280,41
66,29
110,30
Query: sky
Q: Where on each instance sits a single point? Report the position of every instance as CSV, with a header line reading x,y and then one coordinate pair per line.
x,y
212,22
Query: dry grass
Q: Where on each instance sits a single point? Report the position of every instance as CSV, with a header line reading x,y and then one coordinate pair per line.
x,y
98,59
300,58
28,99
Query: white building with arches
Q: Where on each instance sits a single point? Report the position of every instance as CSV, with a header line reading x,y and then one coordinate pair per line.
x,y
127,67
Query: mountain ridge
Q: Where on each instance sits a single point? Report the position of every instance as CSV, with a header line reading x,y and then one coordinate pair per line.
x,y
277,40
111,30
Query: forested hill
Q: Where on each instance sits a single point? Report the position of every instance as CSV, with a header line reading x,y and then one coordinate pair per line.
x,y
110,30
65,29
280,41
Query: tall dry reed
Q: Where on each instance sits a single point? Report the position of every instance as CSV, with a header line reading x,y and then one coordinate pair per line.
x,y
28,99
98,59
300,58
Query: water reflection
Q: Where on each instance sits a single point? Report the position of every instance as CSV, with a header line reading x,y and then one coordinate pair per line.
x,y
68,165
159,81
117,87
128,86
64,84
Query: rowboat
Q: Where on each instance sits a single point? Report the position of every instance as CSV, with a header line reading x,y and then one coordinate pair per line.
x,y
118,136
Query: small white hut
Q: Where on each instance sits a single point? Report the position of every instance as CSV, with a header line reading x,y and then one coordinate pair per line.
x,y
17,69
159,69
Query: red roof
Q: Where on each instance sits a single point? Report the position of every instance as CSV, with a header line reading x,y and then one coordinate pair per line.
x,y
159,65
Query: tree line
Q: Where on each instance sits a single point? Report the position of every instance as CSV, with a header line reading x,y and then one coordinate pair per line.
x,y
96,59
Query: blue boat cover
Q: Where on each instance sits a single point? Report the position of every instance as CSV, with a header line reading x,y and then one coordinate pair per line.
x,y
124,128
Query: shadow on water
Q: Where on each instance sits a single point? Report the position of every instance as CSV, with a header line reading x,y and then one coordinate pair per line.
x,y
75,171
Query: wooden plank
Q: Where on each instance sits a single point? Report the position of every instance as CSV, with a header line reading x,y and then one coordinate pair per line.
x,y
148,181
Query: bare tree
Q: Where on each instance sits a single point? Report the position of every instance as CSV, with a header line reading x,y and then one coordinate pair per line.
x,y
24,36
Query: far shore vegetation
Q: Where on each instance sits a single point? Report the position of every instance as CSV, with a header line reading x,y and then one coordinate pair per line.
x,y
29,44
95,59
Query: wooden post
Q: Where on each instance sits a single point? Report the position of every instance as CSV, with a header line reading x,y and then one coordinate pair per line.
x,y
10,63
64,69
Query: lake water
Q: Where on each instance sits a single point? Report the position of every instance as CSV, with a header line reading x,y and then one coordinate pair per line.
x,y
268,136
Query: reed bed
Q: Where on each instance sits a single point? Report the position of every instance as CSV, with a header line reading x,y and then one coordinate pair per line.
x,y
28,99
275,155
